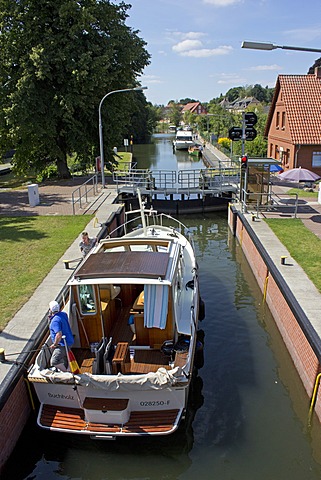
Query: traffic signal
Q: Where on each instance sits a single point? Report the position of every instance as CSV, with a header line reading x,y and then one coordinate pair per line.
x,y
235,133
250,133
250,119
244,161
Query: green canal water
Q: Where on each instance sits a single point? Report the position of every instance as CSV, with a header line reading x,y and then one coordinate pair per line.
x,y
247,417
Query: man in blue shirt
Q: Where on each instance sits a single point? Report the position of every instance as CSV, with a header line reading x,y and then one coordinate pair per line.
x,y
59,327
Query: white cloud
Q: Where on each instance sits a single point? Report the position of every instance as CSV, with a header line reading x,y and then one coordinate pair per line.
x,y
192,46
221,3
207,52
265,67
186,45
230,79
151,79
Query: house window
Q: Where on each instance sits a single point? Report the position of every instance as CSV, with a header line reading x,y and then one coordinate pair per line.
x,y
316,159
283,121
277,124
276,152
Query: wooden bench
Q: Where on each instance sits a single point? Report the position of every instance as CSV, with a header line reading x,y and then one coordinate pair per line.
x,y
121,357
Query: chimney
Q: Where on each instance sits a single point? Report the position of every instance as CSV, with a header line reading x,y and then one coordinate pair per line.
x,y
317,72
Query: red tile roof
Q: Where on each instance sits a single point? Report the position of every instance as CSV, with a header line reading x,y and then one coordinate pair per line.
x,y
301,95
190,106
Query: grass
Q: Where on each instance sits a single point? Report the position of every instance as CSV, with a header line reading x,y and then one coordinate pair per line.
x,y
302,193
11,180
302,244
124,161
30,247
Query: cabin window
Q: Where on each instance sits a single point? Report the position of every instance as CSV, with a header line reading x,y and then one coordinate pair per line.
x,y
86,299
316,159
179,284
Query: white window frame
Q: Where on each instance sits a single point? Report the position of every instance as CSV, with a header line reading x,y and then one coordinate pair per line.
x,y
316,159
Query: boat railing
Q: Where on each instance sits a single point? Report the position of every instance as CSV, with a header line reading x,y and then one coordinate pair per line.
x,y
151,217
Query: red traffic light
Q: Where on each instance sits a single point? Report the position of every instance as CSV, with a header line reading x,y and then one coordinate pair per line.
x,y
244,161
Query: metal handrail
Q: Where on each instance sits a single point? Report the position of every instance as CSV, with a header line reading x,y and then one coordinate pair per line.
x,y
272,201
173,180
78,192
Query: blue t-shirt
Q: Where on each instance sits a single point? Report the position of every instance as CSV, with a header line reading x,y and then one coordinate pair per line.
x,y
60,323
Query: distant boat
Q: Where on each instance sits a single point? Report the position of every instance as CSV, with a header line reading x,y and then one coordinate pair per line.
x,y
183,140
134,306
195,151
172,128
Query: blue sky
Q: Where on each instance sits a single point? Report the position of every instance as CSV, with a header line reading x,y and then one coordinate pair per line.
x,y
196,44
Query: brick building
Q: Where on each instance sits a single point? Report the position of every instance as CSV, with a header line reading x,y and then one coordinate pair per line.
x,y
293,126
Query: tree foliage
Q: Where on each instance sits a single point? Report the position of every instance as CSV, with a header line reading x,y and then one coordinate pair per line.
x,y
58,58
262,94
174,114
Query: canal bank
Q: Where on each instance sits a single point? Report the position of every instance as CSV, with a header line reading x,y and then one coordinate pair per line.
x,y
25,332
293,300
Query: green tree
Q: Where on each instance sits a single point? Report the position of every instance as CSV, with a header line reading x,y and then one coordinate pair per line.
x,y
175,114
58,58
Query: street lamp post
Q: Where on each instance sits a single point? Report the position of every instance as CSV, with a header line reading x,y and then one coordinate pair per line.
x,y
101,143
271,46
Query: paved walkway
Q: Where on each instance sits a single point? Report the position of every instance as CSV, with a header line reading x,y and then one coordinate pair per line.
x,y
17,334
55,199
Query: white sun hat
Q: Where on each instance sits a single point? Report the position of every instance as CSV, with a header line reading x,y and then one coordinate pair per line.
x,y
54,306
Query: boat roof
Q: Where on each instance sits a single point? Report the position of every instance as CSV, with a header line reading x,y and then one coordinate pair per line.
x,y
135,260
124,264
184,133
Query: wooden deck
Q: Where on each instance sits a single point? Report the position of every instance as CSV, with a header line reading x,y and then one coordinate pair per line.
x,y
144,360
140,422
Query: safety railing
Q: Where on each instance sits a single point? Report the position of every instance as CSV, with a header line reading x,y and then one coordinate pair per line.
x,y
269,202
81,193
214,179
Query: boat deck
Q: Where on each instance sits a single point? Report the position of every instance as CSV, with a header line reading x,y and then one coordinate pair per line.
x,y
140,422
144,361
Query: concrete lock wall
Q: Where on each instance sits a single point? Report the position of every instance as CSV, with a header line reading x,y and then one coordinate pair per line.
x,y
298,345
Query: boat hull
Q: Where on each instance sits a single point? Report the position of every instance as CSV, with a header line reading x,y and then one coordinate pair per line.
x,y
80,410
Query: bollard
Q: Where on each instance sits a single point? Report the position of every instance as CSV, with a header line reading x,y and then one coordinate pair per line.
x,y
66,262
283,258
2,355
253,217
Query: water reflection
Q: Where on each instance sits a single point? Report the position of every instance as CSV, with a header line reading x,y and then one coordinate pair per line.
x,y
148,156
